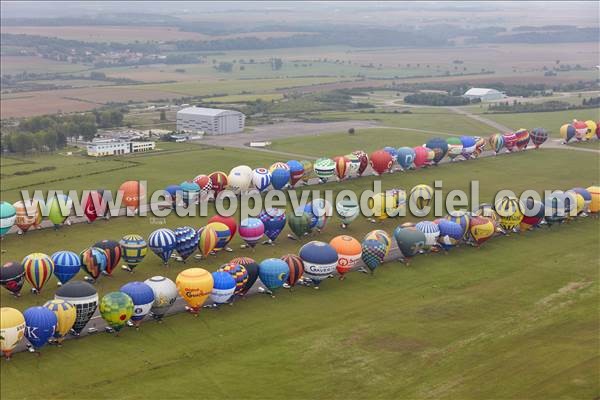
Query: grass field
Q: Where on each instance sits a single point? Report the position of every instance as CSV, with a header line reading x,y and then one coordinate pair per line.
x,y
552,121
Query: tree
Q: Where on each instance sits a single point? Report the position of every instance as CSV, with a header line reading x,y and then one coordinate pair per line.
x,y
23,142
351,131
163,115
276,64
224,67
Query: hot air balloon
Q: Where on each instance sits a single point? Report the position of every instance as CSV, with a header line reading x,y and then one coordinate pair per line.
x,y
296,269
587,198
349,253
65,317
273,273
142,296
468,149
299,224
134,194
261,179
113,252
455,147
450,234
296,171
83,297
406,157
8,215
66,265
280,177
321,209
575,201
207,240
274,221
382,236
189,192
383,205
353,165
40,325
116,308
555,208
223,232
364,160
341,167
320,260
223,287
12,329
251,231
488,211
324,169
462,218
509,211
162,243
218,180
380,161
95,206
580,129
510,141
430,156
373,253
38,270
59,208
186,241
194,285
27,215
595,202
530,217
348,211
134,250
12,277
278,165
240,178
308,170
522,139
165,294
479,145
392,152
239,274
538,136
228,221
439,147
431,231
481,229
173,191
205,185
421,196
496,142
409,240
420,156
592,127
567,132
93,261
252,269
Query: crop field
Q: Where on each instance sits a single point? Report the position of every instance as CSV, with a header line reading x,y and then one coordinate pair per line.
x,y
17,64
526,301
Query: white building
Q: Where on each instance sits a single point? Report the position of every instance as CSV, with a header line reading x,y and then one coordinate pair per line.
x,y
109,147
484,94
212,121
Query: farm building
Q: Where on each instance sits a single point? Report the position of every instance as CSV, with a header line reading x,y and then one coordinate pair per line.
x,y
212,121
484,94
115,148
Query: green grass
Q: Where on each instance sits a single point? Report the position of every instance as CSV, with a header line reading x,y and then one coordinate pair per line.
x,y
552,121
241,98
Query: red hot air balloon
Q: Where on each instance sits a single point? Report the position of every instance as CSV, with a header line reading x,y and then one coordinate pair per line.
x,y
341,166
364,161
219,181
510,141
421,154
381,161
95,206
228,221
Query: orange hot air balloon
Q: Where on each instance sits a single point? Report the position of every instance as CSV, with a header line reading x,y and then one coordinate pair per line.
x,y
481,229
194,285
341,166
28,214
207,240
133,194
349,252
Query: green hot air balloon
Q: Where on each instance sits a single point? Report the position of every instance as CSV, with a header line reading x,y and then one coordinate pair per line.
x,y
324,169
116,309
55,213
409,240
299,224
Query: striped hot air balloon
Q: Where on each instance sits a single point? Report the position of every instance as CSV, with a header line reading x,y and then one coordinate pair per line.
x,y
134,250
296,266
324,169
252,269
462,218
538,136
66,265
261,179
218,179
93,261
450,234
162,243
510,141
239,273
421,196
38,270
223,234
509,211
496,142
522,139
341,167
186,241
207,240
28,215
251,230
66,314
113,253
431,231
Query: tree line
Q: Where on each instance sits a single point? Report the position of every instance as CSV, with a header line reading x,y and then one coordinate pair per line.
x,y
438,99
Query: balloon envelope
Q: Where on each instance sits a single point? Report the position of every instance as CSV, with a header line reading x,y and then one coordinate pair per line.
x,y
40,325
134,249
65,316
381,161
194,285
320,260
12,329
165,294
38,269
12,276
83,297
223,287
66,265
162,242
113,251
274,220
142,296
116,308
251,231
273,273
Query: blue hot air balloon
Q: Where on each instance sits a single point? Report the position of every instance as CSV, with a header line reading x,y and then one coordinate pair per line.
x,y
172,190
40,325
392,152
186,241
273,272
162,243
296,171
274,221
66,265
439,147
142,296
469,144
189,192
223,287
314,218
279,178
405,157
450,233
320,260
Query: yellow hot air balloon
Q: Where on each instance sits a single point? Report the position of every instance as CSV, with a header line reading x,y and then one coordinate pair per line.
x,y
194,285
421,196
591,129
595,203
383,205
66,314
481,229
579,202
12,329
509,211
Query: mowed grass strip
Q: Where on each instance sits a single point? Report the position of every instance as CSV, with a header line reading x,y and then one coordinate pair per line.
x,y
510,320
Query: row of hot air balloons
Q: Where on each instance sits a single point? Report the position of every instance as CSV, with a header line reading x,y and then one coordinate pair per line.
x,y
580,130
75,302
